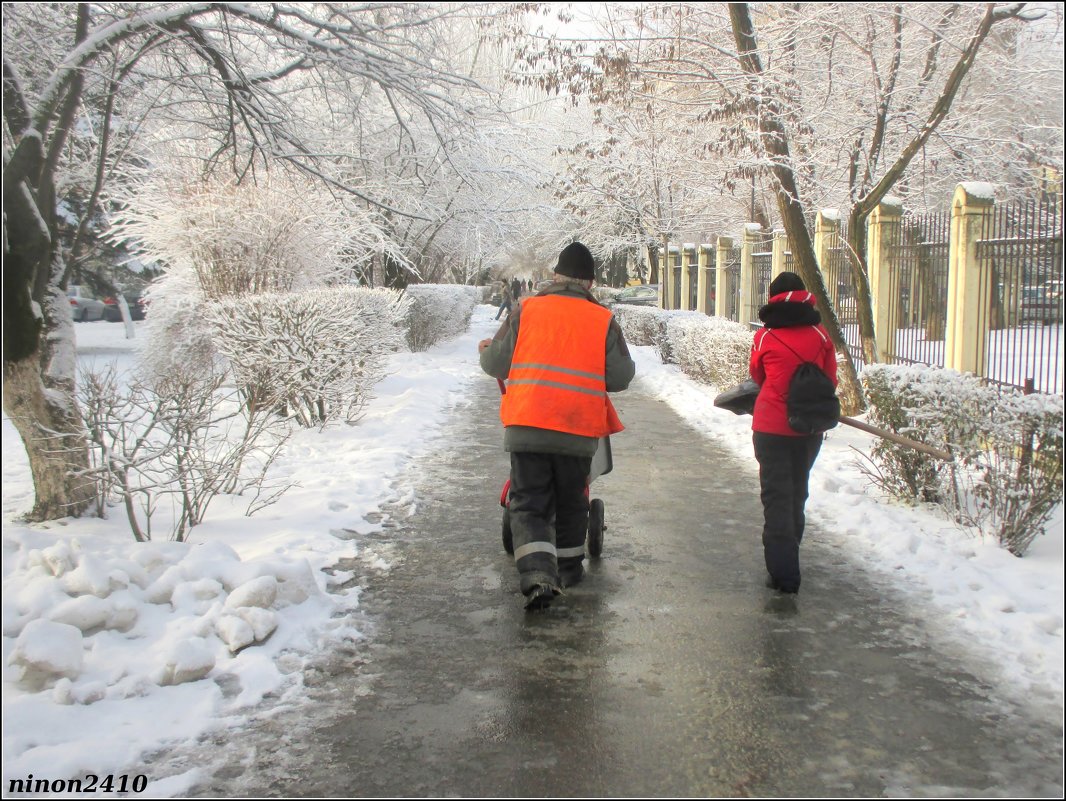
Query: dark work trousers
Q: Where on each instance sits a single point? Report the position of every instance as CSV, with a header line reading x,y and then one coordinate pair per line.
x,y
549,511
784,467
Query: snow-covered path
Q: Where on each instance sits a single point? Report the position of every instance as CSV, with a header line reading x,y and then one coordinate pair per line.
x,y
1008,612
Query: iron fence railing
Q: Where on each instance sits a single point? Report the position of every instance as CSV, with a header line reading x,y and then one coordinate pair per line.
x,y
731,306
840,286
918,251
709,283
1020,261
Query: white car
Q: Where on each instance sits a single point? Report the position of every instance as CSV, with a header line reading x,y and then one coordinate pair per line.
x,y
84,305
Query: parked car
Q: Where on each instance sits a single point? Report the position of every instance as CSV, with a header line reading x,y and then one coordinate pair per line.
x,y
135,301
84,305
643,295
1040,306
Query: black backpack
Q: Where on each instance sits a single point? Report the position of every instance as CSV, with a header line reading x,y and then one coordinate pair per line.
x,y
812,403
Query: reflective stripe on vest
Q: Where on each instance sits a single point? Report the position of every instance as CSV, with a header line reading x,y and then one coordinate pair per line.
x,y
557,379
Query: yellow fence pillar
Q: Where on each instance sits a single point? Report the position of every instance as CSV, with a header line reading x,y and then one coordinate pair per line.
x,y
971,211
723,284
685,301
826,236
882,245
778,248
703,264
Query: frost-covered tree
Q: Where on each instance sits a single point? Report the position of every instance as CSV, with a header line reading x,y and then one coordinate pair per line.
x,y
827,105
249,84
278,233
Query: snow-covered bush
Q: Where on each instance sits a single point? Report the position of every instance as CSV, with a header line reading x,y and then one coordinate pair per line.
x,y
1015,483
942,408
641,325
712,350
278,233
438,312
1006,478
317,353
166,446
176,333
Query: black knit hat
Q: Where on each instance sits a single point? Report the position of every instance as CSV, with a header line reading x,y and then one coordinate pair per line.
x,y
575,261
786,282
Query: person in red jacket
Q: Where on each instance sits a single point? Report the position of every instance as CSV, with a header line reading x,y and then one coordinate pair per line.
x,y
792,333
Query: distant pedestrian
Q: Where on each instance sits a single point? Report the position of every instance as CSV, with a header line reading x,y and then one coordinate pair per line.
x,y
506,301
516,288
792,333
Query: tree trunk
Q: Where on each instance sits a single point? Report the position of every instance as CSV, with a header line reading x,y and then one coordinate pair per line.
x,y
775,141
860,276
52,431
38,336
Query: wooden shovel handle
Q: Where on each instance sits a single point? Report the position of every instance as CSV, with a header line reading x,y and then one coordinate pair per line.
x,y
894,437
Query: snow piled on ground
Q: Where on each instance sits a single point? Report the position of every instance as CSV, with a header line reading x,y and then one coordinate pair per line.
x,y
112,649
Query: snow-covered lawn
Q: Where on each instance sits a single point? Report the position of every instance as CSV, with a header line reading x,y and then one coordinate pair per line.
x,y
112,648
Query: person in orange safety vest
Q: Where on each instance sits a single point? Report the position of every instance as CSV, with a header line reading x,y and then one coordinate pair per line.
x,y
560,353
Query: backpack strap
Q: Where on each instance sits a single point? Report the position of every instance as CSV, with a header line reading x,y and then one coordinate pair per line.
x,y
775,336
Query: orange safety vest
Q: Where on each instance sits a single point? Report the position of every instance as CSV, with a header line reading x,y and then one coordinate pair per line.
x,y
557,378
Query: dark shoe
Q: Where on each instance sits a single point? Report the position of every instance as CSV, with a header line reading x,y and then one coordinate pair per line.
x,y
569,575
540,597
773,584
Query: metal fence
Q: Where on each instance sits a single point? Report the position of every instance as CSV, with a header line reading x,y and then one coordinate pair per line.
x,y
762,267
918,252
840,285
1020,258
709,281
731,303
1019,263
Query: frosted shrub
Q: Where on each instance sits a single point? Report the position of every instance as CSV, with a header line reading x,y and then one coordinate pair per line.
x,y
177,334
165,446
317,354
942,408
278,233
1007,475
711,350
1015,482
641,325
438,312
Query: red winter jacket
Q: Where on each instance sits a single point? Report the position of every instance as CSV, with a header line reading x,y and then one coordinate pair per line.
x,y
791,321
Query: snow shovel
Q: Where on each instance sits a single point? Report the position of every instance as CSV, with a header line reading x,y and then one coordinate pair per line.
x,y
741,400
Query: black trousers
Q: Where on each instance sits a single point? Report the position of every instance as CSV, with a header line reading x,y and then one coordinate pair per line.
x,y
784,469
549,513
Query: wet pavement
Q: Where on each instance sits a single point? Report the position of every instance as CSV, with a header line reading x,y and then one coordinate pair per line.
x,y
670,671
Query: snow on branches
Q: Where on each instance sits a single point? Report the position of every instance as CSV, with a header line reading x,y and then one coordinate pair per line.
x,y
711,350
315,355
1007,476
439,312
277,234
